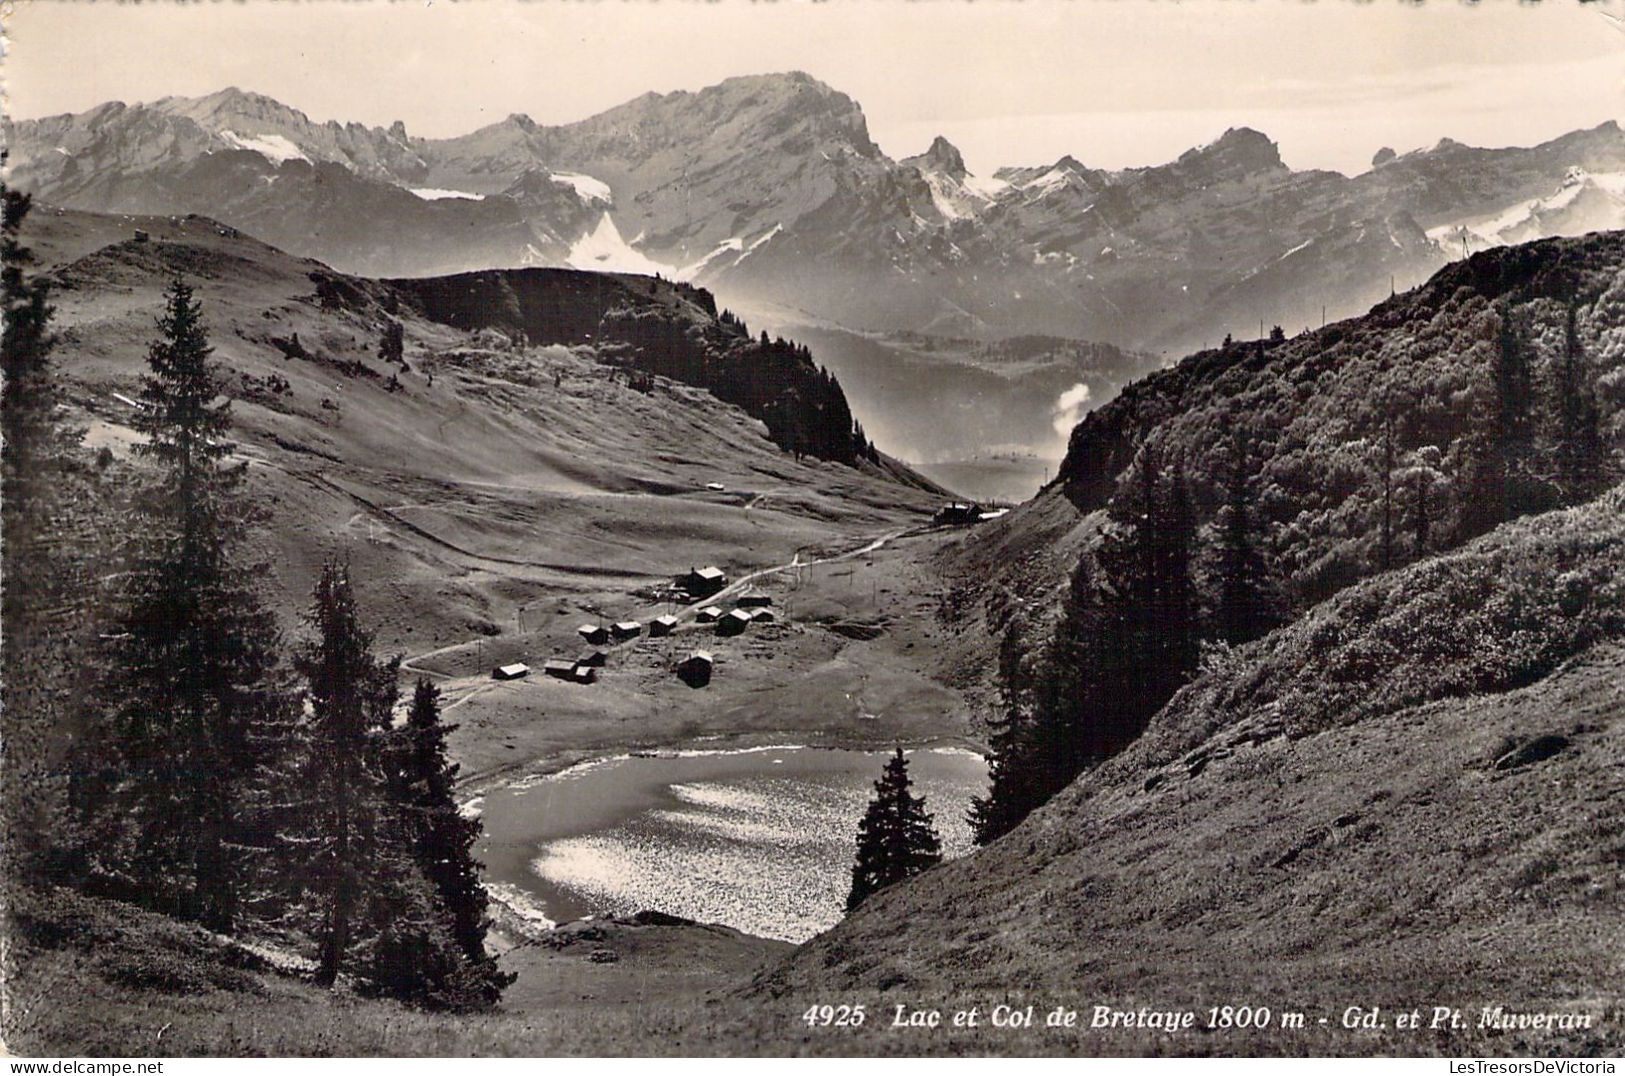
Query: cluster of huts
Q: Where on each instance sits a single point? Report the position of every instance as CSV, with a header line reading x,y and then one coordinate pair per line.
x,y
735,621
695,670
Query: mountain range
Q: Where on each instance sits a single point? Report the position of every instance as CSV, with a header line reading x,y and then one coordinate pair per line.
x,y
769,190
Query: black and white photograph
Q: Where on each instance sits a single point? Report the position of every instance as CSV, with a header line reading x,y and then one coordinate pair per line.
x,y
540,529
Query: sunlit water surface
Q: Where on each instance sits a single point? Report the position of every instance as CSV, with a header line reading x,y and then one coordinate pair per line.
x,y
760,840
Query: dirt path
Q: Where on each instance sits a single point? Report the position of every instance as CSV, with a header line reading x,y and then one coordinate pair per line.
x,y
477,685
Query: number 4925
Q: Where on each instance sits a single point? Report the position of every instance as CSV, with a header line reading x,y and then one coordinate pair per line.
x,y
834,1016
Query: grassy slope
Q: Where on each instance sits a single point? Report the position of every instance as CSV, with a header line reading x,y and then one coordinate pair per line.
x,y
104,979
1336,815
1297,829
517,490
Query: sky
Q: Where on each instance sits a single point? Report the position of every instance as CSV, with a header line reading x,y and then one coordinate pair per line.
x,y
1115,83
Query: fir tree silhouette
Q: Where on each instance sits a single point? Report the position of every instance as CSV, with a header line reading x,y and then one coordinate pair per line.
x,y
201,711
896,839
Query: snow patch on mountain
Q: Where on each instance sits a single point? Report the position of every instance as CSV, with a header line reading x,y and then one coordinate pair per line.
x,y
1583,202
604,250
273,147
590,189
727,254
759,242
732,245
987,186
1049,181
435,194
956,200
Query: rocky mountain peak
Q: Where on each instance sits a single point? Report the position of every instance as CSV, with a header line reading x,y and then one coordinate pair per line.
x,y
1239,152
227,103
795,98
942,158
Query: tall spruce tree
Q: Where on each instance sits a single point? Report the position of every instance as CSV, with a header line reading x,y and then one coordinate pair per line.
x,y
1385,540
1513,419
1421,513
392,342
1176,632
1243,608
1012,776
1012,788
1127,639
383,851
35,644
1145,561
200,709
347,847
896,839
1498,449
1581,458
423,782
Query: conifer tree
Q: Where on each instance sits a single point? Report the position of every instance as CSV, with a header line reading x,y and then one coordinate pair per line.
x,y
1513,419
423,783
346,849
1581,459
896,839
28,393
1176,639
1421,516
1127,640
392,342
1243,605
1385,547
1011,794
1497,447
200,708
1145,562
35,644
1012,759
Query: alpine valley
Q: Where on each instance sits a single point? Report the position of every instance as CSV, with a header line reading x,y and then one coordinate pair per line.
x,y
1292,685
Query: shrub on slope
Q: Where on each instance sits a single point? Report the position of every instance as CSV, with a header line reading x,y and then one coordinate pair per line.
x,y
1499,613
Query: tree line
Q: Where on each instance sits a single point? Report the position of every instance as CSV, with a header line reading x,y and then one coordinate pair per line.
x,y
214,773
1158,587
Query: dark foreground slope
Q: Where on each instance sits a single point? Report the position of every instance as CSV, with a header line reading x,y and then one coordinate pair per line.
x,y
1411,797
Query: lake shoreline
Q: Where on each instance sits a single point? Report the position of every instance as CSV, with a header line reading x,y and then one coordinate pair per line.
x,y
516,924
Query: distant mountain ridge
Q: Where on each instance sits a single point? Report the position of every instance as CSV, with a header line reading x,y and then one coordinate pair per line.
x,y
769,188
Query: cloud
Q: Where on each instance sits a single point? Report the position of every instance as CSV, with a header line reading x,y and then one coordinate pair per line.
x,y
1069,408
